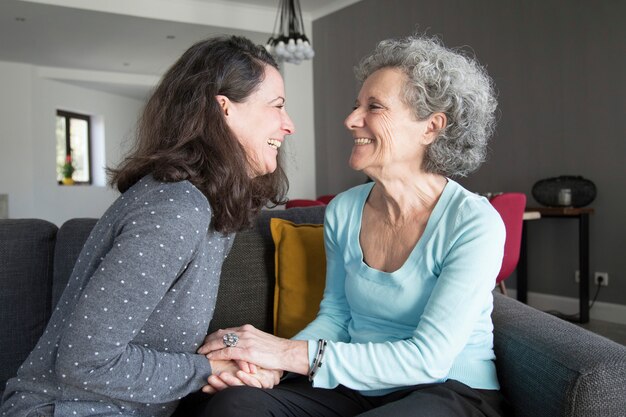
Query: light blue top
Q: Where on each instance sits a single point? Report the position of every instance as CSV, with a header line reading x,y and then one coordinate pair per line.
x,y
427,322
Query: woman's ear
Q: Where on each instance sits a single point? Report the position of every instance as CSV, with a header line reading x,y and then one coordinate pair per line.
x,y
224,103
436,123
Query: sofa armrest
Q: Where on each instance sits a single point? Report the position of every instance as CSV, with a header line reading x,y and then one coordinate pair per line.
x,y
550,367
26,253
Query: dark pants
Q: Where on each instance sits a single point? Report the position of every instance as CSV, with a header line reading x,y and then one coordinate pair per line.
x,y
297,398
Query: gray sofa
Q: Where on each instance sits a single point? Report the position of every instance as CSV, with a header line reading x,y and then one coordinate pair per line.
x,y
547,367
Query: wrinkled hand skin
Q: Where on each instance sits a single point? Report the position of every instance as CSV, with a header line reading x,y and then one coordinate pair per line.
x,y
259,348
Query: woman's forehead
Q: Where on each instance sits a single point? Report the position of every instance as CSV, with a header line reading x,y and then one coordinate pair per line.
x,y
272,85
384,82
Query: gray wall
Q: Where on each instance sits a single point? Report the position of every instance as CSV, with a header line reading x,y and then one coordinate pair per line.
x,y
560,70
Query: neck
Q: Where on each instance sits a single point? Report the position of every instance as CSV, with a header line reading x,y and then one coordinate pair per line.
x,y
405,197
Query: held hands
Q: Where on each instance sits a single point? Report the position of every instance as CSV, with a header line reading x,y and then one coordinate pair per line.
x,y
230,374
260,348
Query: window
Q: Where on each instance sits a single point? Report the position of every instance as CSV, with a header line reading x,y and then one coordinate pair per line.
x,y
73,145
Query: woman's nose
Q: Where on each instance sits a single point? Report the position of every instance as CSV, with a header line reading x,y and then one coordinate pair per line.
x,y
288,125
354,120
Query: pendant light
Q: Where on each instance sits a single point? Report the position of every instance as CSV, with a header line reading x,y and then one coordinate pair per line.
x,y
288,42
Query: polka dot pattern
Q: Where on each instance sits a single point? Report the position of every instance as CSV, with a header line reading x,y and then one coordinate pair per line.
x,y
122,339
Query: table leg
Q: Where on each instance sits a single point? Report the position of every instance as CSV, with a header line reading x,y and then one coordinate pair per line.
x,y
583,247
522,269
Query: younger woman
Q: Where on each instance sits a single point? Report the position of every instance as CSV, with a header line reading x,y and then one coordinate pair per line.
x,y
123,338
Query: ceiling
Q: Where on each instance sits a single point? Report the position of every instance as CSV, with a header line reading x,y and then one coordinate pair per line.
x,y
139,43
308,6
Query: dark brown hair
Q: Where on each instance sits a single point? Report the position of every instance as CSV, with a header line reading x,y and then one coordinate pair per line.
x,y
182,134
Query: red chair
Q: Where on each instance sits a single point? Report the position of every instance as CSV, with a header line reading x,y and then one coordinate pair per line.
x,y
325,198
300,202
511,208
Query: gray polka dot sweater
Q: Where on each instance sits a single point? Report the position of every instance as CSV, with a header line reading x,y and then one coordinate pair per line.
x,y
123,336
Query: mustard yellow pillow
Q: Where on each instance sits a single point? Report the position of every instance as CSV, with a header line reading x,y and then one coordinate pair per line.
x,y
300,274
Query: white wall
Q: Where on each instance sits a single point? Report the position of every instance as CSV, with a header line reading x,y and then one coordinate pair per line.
x,y
16,149
28,105
299,149
29,97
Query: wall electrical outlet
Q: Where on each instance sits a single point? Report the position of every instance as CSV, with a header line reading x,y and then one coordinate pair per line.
x,y
601,276
577,276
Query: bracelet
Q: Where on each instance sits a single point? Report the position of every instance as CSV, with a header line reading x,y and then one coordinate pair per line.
x,y
317,362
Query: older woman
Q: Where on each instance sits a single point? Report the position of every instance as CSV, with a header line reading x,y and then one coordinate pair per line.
x,y
404,327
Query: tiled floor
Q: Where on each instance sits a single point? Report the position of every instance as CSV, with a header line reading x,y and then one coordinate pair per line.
x,y
613,331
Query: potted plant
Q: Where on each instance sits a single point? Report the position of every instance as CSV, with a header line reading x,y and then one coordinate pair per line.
x,y
67,170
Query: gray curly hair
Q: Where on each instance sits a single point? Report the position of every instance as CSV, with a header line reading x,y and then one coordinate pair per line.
x,y
442,80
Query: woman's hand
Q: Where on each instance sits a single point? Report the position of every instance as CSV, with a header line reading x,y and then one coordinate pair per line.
x,y
262,378
260,348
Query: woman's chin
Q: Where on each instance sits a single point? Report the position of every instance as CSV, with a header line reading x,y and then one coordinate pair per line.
x,y
356,162
355,165
269,168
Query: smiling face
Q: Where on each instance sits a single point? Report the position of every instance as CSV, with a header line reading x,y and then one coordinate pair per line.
x,y
387,136
260,123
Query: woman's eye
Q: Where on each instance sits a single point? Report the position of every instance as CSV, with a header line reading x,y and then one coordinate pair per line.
x,y
374,107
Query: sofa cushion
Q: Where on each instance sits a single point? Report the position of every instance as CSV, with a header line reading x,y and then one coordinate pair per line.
x,y
300,274
26,251
70,240
548,367
246,292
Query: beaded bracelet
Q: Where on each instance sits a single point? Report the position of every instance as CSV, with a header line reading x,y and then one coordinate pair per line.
x,y
317,362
